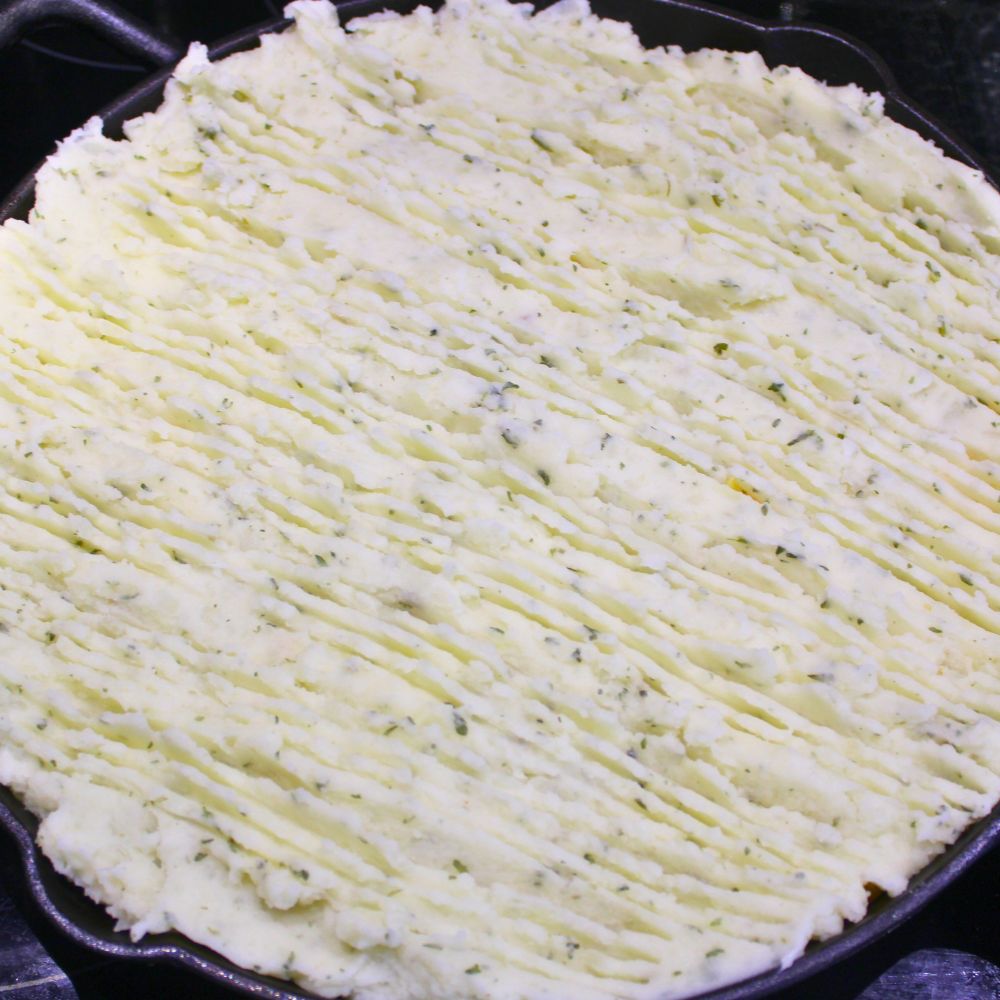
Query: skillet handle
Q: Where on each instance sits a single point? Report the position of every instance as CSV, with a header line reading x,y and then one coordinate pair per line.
x,y
103,17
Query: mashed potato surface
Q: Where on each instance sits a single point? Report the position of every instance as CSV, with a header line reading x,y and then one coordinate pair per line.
x,y
487,510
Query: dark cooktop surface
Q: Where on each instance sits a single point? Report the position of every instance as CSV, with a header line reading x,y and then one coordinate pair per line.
x,y
945,55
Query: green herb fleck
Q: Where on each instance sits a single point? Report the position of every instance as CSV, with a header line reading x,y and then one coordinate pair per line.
x,y
536,138
801,437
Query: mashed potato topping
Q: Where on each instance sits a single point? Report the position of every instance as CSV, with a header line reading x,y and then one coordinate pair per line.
x,y
489,510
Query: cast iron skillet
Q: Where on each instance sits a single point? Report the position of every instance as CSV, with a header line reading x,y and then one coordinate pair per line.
x,y
821,52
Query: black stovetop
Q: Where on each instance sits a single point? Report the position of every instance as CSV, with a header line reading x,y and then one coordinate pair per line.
x,y
945,55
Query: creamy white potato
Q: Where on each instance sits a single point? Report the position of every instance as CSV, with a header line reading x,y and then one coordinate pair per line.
x,y
491,511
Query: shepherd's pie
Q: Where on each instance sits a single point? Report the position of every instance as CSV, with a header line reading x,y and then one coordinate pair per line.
x,y
489,510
